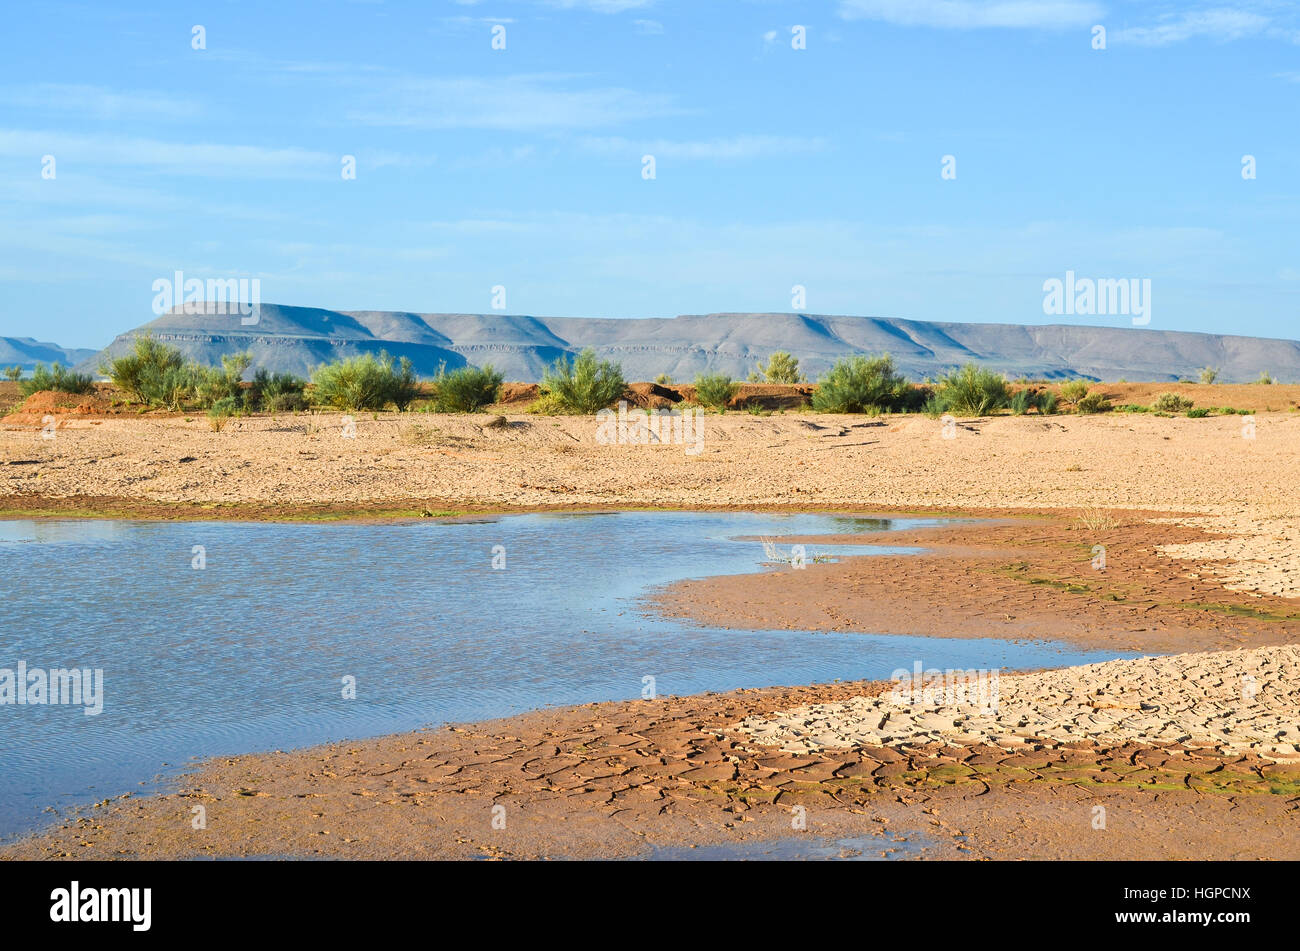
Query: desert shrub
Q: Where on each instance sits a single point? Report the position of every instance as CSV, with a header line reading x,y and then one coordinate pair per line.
x,y
1197,413
225,384
148,358
1093,403
1266,378
172,387
1074,390
57,378
1133,408
586,385
663,379
972,391
781,368
278,392
1021,402
14,373
548,404
1046,403
714,390
1209,374
466,389
366,383
856,383
1171,403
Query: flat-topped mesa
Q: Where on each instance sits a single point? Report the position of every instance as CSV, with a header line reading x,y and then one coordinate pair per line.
x,y
522,347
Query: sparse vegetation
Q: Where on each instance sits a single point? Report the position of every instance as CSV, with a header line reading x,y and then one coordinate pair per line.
x,y
781,368
1209,374
14,373
366,383
663,379
1172,403
1266,378
466,389
1197,413
55,377
143,368
1095,519
1093,402
586,385
856,383
1047,403
970,391
1074,390
280,392
714,390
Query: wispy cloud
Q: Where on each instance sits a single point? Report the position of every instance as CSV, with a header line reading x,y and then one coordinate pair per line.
x,y
96,102
601,6
648,27
518,103
976,14
1221,24
729,148
224,160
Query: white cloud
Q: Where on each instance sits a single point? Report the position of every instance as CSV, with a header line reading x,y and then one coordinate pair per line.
x,y
975,14
601,6
511,102
211,160
96,102
731,148
1217,24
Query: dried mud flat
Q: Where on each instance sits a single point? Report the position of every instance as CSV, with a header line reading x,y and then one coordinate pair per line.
x,y
1198,530
616,779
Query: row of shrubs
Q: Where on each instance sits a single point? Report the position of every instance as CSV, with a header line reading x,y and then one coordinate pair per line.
x,y
158,375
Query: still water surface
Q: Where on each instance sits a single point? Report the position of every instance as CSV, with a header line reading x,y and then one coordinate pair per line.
x,y
249,653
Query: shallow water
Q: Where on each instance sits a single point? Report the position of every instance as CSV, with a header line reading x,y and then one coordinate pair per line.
x,y
249,653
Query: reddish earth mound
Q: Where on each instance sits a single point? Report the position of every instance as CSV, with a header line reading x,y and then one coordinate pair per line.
x,y
44,403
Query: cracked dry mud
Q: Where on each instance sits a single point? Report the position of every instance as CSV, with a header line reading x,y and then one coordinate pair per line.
x,y
1231,702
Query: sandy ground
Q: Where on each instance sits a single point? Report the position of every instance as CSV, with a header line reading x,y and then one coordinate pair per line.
x,y
1199,528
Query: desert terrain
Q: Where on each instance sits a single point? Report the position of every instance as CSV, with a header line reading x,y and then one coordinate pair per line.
x,y
1198,521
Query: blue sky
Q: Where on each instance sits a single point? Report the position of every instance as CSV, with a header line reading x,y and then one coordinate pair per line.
x,y
774,166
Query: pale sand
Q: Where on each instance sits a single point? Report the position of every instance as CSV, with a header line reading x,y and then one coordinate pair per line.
x,y
1245,701
1201,467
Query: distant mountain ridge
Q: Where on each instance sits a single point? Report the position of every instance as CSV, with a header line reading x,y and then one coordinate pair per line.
x,y
297,339
26,352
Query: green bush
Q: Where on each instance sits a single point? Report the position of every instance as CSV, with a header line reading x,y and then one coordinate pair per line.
x,y
56,378
225,384
1133,408
663,379
856,383
172,387
1074,390
714,390
366,383
1093,403
1265,378
466,389
971,391
278,392
1197,413
14,373
1209,374
1046,403
148,358
1021,402
781,368
586,385
1172,403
